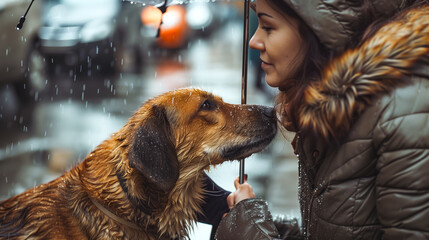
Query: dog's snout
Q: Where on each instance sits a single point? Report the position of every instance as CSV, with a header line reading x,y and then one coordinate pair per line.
x,y
268,112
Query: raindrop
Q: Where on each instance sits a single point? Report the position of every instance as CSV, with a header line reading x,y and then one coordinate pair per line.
x,y
6,179
7,51
83,96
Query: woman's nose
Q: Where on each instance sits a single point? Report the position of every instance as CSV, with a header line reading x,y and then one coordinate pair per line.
x,y
256,43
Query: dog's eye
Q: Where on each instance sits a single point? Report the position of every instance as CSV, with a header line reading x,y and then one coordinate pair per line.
x,y
207,105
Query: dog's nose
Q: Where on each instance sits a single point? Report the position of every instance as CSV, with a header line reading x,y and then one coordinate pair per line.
x,y
269,112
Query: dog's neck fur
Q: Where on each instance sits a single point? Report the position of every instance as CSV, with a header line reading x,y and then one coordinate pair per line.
x,y
173,214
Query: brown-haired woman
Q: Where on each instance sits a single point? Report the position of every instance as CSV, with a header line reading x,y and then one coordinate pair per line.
x,y
354,86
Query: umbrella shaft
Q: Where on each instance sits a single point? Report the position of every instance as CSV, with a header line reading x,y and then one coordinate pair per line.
x,y
245,52
244,70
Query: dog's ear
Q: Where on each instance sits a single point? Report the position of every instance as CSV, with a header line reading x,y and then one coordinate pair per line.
x,y
153,153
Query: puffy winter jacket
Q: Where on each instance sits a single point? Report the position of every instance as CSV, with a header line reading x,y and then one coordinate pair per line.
x,y
363,146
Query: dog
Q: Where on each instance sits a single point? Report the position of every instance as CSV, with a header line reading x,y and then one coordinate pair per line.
x,y
145,181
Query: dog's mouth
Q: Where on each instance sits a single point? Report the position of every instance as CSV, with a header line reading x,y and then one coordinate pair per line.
x,y
247,149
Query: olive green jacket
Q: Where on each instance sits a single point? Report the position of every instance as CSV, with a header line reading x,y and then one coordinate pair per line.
x,y
363,146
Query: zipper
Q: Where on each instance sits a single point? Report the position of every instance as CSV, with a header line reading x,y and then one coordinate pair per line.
x,y
299,153
313,192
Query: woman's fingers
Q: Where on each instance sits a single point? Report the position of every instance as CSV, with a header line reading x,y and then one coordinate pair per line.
x,y
237,181
243,191
230,200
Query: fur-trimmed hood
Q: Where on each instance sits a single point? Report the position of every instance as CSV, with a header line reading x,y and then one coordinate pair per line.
x,y
351,81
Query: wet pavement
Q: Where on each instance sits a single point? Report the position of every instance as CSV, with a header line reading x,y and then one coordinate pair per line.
x,y
39,141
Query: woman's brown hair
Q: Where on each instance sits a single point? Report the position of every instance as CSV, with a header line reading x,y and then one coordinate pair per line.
x,y
307,69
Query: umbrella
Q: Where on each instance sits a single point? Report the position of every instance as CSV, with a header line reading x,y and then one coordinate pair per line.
x,y
162,5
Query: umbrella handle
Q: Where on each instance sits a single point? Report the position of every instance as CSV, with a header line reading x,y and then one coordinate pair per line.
x,y
22,20
244,70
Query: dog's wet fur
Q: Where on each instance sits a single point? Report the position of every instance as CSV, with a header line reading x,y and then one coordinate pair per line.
x,y
149,173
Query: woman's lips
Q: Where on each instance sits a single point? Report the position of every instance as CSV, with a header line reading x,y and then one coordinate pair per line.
x,y
265,65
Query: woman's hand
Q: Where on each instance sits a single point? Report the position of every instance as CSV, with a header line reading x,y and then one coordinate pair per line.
x,y
243,191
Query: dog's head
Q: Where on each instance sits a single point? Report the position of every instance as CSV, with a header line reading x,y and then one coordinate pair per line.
x,y
186,131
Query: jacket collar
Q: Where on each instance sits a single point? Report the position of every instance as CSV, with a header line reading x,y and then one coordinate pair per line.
x,y
351,81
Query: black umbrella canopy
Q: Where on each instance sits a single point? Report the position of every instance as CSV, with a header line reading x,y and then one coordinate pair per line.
x,y
159,3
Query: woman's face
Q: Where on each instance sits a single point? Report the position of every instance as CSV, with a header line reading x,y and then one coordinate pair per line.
x,y
279,43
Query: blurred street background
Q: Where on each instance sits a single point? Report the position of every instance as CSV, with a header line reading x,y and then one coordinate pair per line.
x,y
79,69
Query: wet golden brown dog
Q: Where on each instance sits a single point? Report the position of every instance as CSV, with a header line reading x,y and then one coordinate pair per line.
x,y
145,181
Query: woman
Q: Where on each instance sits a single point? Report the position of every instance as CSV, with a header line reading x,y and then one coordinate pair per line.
x,y
354,86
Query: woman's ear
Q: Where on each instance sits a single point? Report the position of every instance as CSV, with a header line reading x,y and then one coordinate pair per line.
x,y
153,153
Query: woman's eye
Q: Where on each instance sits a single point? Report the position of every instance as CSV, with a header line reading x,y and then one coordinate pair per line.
x,y
267,29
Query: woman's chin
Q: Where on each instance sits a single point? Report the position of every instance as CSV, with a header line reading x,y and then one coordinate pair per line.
x,y
271,81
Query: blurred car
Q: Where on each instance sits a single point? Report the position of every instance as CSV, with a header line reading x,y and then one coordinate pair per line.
x,y
21,64
87,37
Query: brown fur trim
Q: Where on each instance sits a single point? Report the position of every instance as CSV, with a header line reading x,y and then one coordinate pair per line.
x,y
351,81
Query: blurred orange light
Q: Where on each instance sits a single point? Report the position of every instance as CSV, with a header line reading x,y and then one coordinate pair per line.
x,y
174,28
151,16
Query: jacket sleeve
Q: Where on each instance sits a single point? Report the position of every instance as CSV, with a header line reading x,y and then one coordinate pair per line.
x,y
250,219
402,184
215,204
